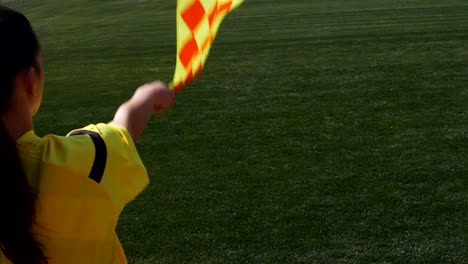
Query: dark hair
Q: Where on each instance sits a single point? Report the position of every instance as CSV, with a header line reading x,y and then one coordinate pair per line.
x,y
19,48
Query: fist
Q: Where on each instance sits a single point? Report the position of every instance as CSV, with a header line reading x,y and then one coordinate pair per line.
x,y
157,93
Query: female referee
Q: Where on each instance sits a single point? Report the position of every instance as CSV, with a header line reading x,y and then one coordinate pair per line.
x,y
61,197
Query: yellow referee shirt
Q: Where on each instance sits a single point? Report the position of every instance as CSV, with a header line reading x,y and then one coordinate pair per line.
x,y
77,213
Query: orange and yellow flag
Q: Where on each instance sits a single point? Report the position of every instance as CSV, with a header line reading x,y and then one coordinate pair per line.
x,y
198,22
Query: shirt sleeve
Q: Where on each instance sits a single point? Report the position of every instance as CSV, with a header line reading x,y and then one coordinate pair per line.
x,y
124,175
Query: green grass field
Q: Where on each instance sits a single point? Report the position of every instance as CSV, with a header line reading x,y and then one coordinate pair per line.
x,y
321,131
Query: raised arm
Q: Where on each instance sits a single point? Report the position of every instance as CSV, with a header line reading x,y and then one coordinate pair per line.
x,y
135,114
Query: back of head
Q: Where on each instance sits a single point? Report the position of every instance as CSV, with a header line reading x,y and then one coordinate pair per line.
x,y
18,50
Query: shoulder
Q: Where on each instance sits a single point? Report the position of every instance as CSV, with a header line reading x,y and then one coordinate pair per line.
x,y
80,147
79,141
111,134
62,153
122,174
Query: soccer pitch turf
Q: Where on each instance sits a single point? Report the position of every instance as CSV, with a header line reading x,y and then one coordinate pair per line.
x,y
321,131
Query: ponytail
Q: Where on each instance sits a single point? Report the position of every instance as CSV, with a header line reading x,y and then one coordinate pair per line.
x,y
18,50
17,206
